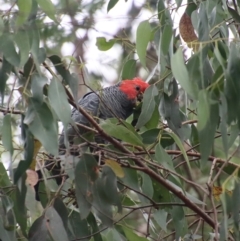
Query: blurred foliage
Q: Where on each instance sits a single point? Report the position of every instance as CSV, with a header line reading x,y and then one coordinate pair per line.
x,y
174,175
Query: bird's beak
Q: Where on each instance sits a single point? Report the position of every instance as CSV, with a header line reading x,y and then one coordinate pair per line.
x,y
140,96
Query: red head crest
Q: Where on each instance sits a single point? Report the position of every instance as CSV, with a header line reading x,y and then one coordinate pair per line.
x,y
132,88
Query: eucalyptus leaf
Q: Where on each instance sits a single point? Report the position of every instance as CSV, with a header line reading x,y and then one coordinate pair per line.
x,y
103,44
58,100
148,106
144,33
122,133
181,74
7,133
111,4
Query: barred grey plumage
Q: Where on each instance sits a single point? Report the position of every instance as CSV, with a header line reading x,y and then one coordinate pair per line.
x,y
114,101
108,103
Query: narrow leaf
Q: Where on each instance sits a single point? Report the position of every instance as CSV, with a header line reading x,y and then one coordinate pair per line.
x,y
7,133
111,4
37,84
129,69
181,147
24,7
203,109
166,38
144,33
161,218
122,133
58,100
180,73
38,231
43,126
22,40
48,7
86,172
148,106
8,49
55,225
206,135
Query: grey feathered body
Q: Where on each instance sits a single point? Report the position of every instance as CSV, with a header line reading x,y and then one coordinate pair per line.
x,y
108,103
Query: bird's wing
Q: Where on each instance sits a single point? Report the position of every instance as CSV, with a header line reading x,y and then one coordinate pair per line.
x,y
90,103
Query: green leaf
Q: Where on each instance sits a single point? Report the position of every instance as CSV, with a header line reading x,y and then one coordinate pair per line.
x,y
104,45
203,109
111,4
131,236
236,207
122,133
110,187
161,194
1,26
73,84
147,187
101,205
144,34
169,109
178,2
234,132
55,225
223,124
7,219
19,197
58,100
62,211
23,165
129,69
37,84
181,147
43,126
180,73
34,39
203,27
148,106
4,178
206,135
161,12
154,120
25,7
8,49
189,196
48,7
87,168
166,140
79,227
130,178
60,68
179,221
194,139
166,38
22,40
113,234
150,136
234,14
94,226
161,218
7,134
38,231
232,87
163,158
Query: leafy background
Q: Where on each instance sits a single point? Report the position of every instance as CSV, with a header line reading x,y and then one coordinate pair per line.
x,y
171,175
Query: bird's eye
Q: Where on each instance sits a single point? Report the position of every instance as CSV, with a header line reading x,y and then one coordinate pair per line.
x,y
137,88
